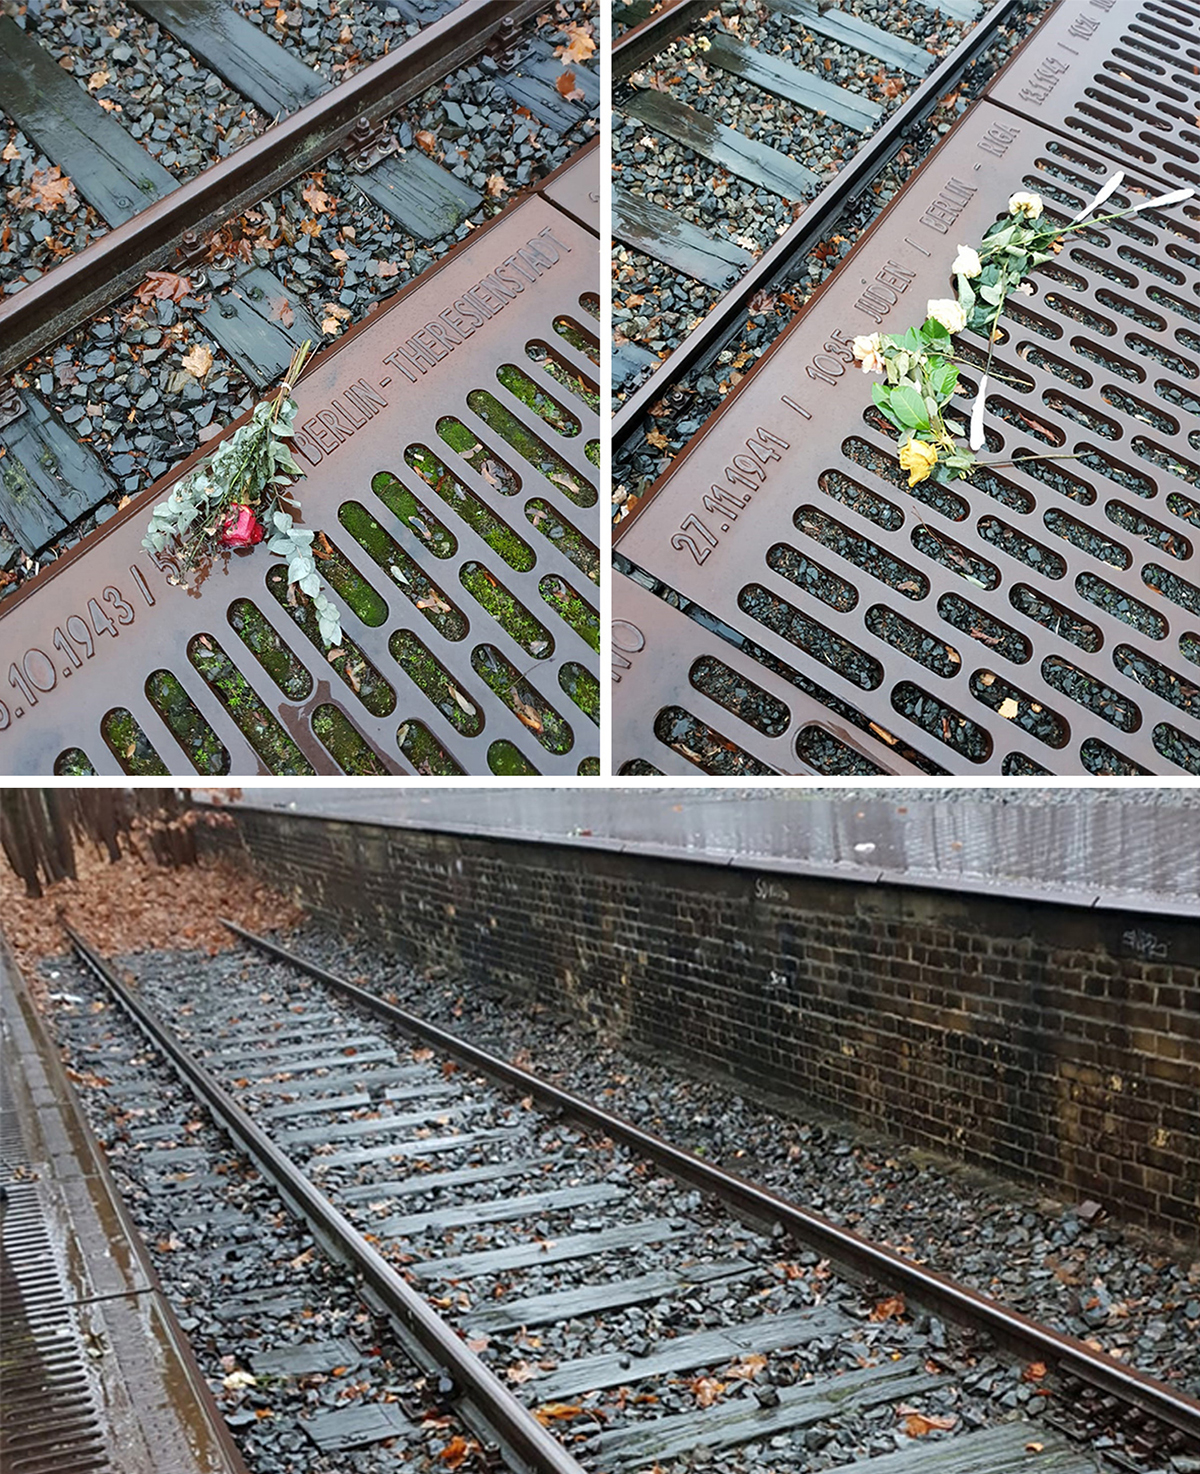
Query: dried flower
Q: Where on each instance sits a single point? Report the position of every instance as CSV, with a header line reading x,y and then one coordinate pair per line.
x,y
866,350
241,528
918,459
967,262
948,312
1023,203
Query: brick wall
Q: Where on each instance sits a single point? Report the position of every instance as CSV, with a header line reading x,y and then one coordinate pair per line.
x,y
1048,1043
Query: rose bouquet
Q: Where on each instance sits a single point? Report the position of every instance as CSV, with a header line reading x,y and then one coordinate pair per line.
x,y
919,367
238,495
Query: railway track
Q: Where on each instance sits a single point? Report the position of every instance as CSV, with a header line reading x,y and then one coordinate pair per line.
x,y
745,137
604,1300
1034,620
346,222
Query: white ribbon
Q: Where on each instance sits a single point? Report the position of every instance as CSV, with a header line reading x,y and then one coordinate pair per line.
x,y
977,436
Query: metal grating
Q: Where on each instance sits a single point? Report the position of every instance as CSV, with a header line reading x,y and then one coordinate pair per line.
x,y
1041,618
713,707
1120,76
453,474
50,1423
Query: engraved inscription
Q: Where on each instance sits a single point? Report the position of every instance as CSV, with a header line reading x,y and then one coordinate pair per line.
x,y
627,640
996,140
76,639
1044,80
953,199
322,433
747,472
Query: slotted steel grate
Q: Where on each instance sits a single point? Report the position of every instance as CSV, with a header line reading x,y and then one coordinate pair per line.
x,y
451,446
1040,618
716,707
1121,76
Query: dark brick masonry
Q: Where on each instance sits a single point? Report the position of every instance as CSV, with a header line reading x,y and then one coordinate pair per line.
x,y
1049,1043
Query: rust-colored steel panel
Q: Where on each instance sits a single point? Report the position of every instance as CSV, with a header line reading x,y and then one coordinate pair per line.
x,y
575,187
1041,617
1122,77
688,702
462,519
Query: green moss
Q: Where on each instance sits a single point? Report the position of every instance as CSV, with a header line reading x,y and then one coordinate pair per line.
x,y
74,763
261,730
515,551
528,704
479,457
534,397
507,610
568,378
355,669
531,448
131,747
205,750
425,752
568,605
581,341
349,585
264,643
566,539
592,451
582,687
408,576
507,762
345,744
589,768
397,498
434,680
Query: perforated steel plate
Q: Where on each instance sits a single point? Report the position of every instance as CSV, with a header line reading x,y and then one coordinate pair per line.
x,y
1042,617
450,444
715,707
1121,76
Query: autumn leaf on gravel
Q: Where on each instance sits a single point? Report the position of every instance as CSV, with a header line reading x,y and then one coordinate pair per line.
x,y
748,1367
11,152
1034,1372
198,361
657,439
579,46
388,268
890,1309
315,198
50,188
557,1412
496,185
457,1450
917,1424
426,142
97,80
163,286
566,86
706,1390
283,312
521,1371
1008,708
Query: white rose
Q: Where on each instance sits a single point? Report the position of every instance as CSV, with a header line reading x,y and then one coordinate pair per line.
x,y
1025,204
867,350
948,313
967,262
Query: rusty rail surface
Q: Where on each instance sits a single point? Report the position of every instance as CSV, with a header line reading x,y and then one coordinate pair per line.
x,y
469,616
1039,618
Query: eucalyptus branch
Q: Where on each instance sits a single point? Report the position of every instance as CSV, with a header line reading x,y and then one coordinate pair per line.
x,y
248,476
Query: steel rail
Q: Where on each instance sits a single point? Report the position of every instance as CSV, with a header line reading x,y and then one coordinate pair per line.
x,y
477,1384
926,1287
843,189
39,314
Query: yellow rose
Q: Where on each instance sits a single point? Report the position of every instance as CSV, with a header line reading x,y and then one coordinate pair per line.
x,y
918,459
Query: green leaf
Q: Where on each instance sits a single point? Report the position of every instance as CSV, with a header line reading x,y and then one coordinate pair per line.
x,y
881,397
310,584
910,407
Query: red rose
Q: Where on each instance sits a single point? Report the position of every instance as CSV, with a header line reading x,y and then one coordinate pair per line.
x,y
242,529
